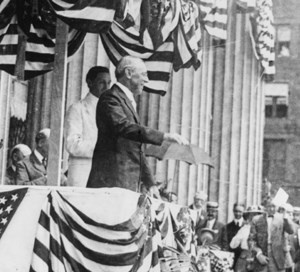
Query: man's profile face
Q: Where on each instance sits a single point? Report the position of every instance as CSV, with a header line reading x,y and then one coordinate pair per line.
x,y
100,84
139,77
238,212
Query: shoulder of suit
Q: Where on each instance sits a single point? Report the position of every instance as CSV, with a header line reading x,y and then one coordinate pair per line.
x,y
113,93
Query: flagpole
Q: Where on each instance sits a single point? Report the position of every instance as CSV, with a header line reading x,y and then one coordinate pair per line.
x,y
58,98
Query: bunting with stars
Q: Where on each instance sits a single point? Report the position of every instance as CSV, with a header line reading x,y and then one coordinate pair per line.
x,y
9,203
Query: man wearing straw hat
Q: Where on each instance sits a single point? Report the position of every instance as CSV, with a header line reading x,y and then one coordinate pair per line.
x,y
212,223
269,233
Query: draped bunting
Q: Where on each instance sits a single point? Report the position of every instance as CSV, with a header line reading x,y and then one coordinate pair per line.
x,y
39,30
262,32
166,34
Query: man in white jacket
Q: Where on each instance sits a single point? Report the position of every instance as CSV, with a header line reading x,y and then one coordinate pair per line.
x,y
80,127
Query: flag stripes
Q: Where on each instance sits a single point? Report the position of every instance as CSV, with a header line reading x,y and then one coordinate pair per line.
x,y
39,52
262,32
69,240
118,43
91,16
213,15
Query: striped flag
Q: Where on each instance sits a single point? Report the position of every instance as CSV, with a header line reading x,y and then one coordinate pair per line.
x,y
9,203
180,48
89,15
213,15
40,41
262,32
118,43
68,240
187,37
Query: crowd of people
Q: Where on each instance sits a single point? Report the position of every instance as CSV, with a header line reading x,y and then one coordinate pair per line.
x,y
261,238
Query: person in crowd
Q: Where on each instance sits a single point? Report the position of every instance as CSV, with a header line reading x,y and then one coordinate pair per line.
x,y
233,227
118,159
212,223
198,205
32,170
268,234
293,239
18,153
244,261
80,127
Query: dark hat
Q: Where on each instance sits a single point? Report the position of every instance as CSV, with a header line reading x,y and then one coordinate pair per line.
x,y
212,205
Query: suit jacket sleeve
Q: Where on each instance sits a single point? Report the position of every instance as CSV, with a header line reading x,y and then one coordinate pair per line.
x,y
112,110
24,179
288,226
223,242
76,145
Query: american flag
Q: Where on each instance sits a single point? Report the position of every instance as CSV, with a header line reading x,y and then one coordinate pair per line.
x,y
118,43
68,240
262,31
40,40
213,15
187,37
9,203
88,15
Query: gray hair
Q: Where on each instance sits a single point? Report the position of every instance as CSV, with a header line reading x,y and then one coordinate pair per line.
x,y
125,62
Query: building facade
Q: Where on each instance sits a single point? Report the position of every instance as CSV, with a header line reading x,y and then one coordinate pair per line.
x,y
281,165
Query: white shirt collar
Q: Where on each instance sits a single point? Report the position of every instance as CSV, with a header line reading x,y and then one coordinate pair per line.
x,y
91,99
210,223
239,221
38,155
128,93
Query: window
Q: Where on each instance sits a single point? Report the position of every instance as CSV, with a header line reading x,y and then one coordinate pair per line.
x,y
283,41
276,100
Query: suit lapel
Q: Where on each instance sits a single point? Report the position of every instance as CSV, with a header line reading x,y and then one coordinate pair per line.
x,y
127,102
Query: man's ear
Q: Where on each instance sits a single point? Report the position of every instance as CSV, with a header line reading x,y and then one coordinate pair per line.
x,y
89,83
128,73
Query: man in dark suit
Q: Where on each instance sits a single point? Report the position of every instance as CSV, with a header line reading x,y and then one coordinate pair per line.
x,y
32,170
269,235
212,223
18,153
118,159
232,228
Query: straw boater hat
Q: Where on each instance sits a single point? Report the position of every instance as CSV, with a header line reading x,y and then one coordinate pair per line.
x,y
212,205
254,209
206,234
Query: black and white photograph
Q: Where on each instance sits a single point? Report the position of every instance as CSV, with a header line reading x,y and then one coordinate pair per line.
x,y
149,136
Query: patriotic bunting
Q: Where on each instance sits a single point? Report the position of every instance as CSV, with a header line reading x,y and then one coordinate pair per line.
x,y
90,16
9,203
262,32
213,15
40,41
118,42
68,240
